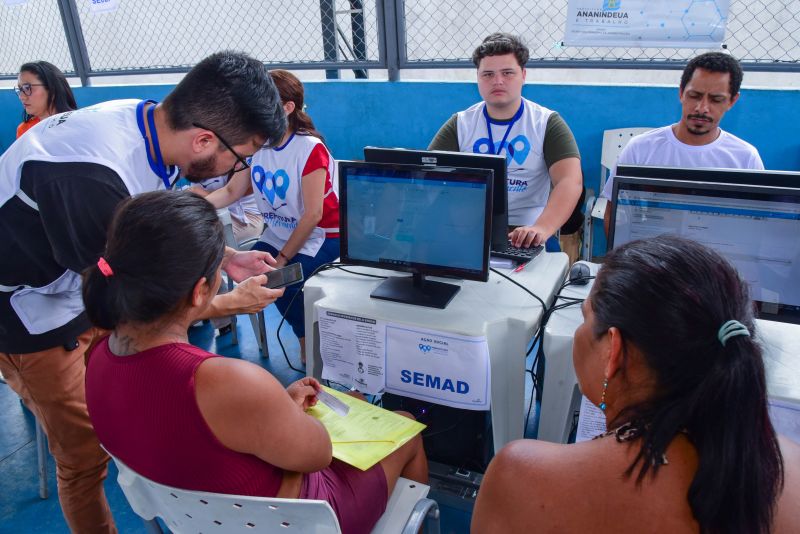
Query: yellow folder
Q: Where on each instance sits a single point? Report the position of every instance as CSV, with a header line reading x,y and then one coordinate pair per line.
x,y
367,434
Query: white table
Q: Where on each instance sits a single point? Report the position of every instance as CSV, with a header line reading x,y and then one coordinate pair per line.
x,y
561,397
506,315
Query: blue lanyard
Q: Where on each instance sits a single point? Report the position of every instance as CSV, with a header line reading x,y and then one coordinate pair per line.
x,y
514,119
157,166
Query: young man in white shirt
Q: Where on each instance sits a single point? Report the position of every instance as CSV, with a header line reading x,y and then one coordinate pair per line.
x,y
709,88
544,168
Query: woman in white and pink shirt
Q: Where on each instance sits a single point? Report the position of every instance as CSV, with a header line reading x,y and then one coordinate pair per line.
x,y
293,185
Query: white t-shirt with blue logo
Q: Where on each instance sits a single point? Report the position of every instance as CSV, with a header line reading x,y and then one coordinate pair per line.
x,y
277,175
522,142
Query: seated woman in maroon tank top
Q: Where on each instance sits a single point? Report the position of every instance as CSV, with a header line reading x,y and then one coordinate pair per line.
x,y
191,419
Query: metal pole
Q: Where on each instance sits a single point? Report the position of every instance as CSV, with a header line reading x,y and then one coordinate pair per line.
x,y
402,44
388,8
328,20
75,41
357,30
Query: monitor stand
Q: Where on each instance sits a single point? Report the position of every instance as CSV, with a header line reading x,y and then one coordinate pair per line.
x,y
416,290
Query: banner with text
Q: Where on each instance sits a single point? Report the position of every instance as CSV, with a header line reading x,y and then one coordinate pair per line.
x,y
647,23
443,368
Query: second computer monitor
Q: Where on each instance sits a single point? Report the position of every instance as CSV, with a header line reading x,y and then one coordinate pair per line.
x,y
755,228
719,176
439,158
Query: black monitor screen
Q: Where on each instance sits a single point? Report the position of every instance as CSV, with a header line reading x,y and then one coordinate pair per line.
x,y
417,219
440,158
724,176
755,228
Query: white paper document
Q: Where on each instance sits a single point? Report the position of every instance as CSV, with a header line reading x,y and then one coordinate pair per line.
x,y
591,421
447,369
353,350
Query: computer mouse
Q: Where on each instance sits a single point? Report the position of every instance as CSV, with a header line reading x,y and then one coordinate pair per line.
x,y
579,274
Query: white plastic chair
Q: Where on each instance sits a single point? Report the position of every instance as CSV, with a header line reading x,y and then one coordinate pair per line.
x,y
186,511
257,320
613,143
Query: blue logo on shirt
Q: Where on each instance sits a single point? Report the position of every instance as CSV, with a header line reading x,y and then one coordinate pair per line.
x,y
516,150
271,185
611,5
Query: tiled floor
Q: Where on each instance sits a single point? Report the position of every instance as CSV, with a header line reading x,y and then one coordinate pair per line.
x,y
21,509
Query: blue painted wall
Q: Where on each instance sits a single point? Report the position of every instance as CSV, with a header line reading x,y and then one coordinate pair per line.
x,y
352,114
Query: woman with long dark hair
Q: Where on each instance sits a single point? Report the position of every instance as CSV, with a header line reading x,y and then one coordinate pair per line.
x,y
294,187
668,350
43,91
191,419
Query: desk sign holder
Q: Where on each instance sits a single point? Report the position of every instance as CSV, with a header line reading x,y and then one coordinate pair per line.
x,y
375,356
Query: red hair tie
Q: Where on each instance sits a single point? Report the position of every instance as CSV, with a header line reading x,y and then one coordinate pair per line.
x,y
104,267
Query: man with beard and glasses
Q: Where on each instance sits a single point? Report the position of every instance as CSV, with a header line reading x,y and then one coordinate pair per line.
x,y
59,185
709,88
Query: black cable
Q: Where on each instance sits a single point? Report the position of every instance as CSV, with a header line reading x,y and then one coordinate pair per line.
x,y
581,280
448,429
530,406
546,318
321,268
361,274
538,338
525,289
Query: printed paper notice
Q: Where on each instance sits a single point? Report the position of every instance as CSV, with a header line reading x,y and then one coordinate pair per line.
x,y
103,6
591,421
443,368
353,350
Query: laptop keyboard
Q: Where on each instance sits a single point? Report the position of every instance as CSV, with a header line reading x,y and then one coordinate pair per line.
x,y
518,253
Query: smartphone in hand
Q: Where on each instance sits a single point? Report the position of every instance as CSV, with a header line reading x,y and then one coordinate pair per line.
x,y
285,276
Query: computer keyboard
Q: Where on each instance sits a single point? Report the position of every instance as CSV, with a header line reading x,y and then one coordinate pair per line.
x,y
517,253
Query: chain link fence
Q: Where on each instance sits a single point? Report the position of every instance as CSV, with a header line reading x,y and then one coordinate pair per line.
x,y
31,31
758,31
152,36
164,34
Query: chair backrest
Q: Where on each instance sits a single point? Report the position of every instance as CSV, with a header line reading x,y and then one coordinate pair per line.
x,y
613,143
227,227
187,511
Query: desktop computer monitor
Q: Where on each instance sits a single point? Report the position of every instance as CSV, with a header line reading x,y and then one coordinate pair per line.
x,y
724,176
439,158
422,220
755,227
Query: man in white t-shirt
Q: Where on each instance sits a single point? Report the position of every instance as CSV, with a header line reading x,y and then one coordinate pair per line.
x,y
709,88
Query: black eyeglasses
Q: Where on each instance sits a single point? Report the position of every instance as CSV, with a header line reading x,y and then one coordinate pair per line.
x,y
26,88
241,162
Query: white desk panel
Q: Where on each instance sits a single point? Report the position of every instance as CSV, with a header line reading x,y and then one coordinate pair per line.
x,y
497,309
